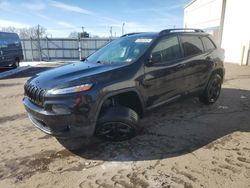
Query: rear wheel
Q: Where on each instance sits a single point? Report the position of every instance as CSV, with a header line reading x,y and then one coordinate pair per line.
x,y
16,63
212,91
117,124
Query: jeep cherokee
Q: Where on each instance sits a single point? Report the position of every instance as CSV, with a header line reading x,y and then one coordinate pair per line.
x,y
106,93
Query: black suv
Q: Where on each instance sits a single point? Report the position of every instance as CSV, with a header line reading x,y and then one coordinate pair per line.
x,y
106,93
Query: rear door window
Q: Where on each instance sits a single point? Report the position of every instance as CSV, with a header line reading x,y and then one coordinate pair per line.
x,y
208,44
169,49
192,45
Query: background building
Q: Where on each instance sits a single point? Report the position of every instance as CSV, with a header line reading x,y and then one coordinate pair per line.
x,y
227,21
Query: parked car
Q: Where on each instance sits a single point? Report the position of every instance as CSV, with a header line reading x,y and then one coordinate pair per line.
x,y
11,52
107,93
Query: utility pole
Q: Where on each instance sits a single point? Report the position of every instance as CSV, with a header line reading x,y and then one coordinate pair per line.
x,y
38,41
38,28
111,31
79,44
123,28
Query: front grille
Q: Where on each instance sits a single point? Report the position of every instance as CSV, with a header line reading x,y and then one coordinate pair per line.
x,y
34,93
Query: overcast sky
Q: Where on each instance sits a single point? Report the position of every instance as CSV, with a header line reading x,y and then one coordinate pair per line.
x,y
96,16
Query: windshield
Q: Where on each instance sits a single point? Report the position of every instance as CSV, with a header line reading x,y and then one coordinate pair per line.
x,y
122,50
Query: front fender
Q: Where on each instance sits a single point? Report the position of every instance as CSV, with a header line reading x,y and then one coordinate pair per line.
x,y
117,92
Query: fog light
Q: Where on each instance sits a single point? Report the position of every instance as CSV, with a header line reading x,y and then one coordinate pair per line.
x,y
60,109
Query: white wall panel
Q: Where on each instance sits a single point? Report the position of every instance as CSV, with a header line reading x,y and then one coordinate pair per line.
x,y
236,33
203,14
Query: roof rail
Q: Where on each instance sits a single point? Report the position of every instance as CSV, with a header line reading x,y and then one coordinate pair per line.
x,y
128,34
181,29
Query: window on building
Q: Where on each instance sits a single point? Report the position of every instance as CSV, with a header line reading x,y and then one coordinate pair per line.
x,y
208,44
168,48
192,45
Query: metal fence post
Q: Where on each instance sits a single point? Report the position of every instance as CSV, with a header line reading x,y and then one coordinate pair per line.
x,y
95,44
39,49
63,48
24,49
47,45
80,48
38,42
31,49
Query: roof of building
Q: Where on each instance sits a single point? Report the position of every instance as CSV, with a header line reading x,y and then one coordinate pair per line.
x,y
190,3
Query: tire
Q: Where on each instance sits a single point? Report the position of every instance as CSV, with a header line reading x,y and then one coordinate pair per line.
x,y
16,63
74,144
117,124
212,91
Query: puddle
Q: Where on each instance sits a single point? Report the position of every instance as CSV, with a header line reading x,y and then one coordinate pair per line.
x,y
21,168
243,97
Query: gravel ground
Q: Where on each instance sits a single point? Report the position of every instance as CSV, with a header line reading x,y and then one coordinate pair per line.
x,y
186,144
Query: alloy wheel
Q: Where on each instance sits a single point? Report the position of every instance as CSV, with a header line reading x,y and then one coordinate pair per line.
x,y
214,90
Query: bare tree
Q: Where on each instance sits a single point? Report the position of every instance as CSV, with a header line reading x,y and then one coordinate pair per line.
x,y
9,29
27,32
73,34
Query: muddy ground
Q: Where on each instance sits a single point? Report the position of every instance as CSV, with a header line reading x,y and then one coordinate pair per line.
x,y
186,144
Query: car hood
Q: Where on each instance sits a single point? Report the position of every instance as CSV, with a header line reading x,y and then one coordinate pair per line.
x,y
72,74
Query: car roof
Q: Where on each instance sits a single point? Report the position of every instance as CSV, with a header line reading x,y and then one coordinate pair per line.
x,y
168,32
8,35
2,32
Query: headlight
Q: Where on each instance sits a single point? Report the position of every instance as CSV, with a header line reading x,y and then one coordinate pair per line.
x,y
75,89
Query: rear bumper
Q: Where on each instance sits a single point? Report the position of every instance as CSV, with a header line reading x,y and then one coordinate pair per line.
x,y
59,125
6,63
9,60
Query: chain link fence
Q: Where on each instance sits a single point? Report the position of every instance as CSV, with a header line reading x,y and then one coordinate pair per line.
x,y
48,49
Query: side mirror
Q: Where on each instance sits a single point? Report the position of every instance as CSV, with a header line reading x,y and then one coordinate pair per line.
x,y
155,58
83,59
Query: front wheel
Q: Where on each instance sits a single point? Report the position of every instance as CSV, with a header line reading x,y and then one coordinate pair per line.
x,y
212,91
117,124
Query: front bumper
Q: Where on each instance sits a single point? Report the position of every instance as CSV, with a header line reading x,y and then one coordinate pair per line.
x,y
73,124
